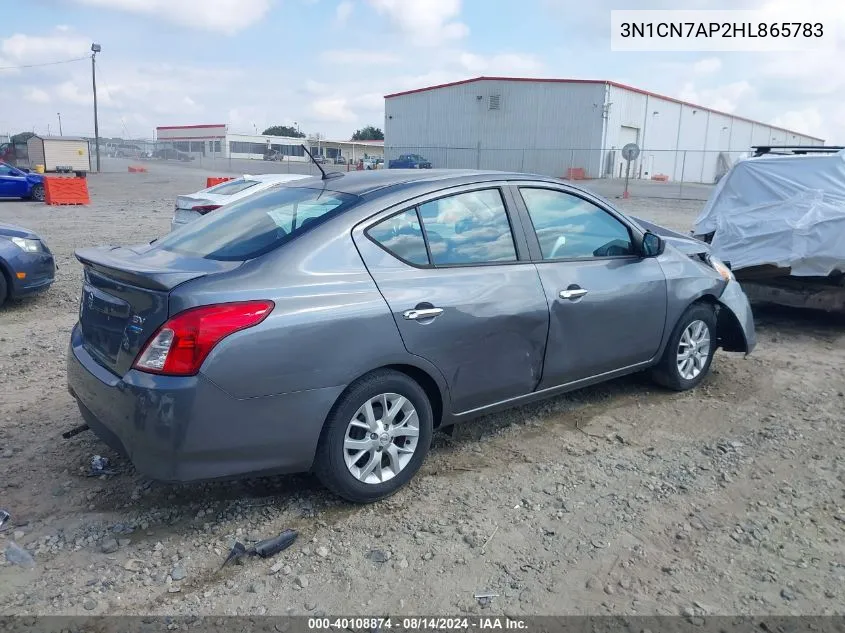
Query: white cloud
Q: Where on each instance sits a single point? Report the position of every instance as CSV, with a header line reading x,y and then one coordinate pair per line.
x,y
222,16
62,27
372,101
71,91
725,98
359,57
332,110
343,12
316,87
35,49
36,95
806,120
707,65
502,64
424,22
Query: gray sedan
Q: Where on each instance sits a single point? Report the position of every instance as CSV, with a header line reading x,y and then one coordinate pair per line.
x,y
332,325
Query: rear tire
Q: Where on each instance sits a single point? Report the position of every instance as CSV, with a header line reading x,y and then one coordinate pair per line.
x,y
37,193
376,437
689,351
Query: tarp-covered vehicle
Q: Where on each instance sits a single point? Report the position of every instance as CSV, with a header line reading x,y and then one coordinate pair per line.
x,y
779,221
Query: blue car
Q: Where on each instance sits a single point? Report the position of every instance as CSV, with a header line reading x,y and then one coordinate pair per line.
x,y
16,183
26,264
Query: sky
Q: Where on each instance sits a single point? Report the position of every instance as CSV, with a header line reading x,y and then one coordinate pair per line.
x,y
326,65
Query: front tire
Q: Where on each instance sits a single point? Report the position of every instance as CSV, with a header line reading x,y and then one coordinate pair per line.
x,y
375,438
689,351
37,193
4,290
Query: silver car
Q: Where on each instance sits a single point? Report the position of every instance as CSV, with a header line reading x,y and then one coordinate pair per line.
x,y
334,324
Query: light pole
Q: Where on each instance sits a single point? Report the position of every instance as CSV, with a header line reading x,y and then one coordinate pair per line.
x,y
59,114
95,48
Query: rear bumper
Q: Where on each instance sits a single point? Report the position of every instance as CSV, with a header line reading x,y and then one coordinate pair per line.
x,y
187,429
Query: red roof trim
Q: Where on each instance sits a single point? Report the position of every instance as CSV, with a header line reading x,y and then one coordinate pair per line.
x,y
188,127
599,81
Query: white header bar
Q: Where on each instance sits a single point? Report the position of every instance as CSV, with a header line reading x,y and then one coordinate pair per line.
x,y
800,29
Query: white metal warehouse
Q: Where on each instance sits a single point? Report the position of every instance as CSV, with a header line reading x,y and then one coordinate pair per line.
x,y
551,126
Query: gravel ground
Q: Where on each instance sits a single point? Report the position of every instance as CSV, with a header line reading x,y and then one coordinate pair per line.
x,y
618,499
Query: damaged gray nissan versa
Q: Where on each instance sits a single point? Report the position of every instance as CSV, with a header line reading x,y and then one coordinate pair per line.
x,y
331,325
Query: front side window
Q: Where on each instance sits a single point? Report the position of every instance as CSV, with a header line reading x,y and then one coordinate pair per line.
x,y
468,228
401,236
257,224
569,227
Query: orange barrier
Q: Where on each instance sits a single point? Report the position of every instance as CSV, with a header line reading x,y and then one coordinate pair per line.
x,y
575,173
660,177
135,169
212,180
66,191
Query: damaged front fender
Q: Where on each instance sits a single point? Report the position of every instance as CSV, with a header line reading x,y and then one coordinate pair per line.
x,y
736,323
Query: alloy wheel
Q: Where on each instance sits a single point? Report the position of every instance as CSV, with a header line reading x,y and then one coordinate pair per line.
x,y
381,438
693,350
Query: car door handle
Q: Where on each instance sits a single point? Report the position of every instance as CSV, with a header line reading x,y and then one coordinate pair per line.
x,y
425,313
572,293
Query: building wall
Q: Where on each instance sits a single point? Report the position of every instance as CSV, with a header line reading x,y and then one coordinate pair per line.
x,y
547,127
683,141
187,132
459,127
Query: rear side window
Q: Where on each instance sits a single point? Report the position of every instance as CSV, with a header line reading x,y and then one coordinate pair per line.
x,y
401,236
257,224
232,187
468,228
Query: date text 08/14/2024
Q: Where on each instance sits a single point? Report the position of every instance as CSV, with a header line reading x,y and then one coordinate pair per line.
x,y
416,623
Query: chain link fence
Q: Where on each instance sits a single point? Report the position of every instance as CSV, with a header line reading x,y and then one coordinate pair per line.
x,y
672,174
681,174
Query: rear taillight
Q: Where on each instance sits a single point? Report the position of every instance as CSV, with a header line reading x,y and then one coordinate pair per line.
x,y
179,347
205,208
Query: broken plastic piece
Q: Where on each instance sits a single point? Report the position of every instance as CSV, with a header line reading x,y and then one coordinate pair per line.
x,y
265,549
75,431
272,546
4,516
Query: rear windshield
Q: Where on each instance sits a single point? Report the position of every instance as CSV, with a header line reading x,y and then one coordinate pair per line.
x,y
232,187
256,225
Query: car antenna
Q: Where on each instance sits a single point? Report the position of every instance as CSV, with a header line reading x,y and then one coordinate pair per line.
x,y
325,176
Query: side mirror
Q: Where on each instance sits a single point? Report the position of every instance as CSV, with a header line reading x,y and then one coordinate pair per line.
x,y
652,245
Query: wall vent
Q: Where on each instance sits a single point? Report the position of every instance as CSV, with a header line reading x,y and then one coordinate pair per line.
x,y
494,102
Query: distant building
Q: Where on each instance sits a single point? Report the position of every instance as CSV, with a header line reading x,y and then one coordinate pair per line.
x,y
550,126
217,140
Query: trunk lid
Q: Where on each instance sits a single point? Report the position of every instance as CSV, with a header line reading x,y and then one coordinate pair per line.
x,y
125,297
191,201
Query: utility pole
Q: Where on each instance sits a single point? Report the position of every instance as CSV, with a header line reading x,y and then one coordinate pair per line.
x,y
59,114
95,48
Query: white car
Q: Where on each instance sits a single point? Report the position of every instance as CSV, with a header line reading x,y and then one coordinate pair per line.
x,y
194,205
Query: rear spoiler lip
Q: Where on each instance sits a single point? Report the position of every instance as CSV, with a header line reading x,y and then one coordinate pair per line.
x,y
150,278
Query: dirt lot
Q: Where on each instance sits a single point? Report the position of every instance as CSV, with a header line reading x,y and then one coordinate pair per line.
x,y
617,499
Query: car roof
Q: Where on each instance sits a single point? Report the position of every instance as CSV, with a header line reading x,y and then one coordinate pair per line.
x,y
369,183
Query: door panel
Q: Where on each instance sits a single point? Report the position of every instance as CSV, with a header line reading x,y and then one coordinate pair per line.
x,y
11,185
613,308
617,323
484,326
